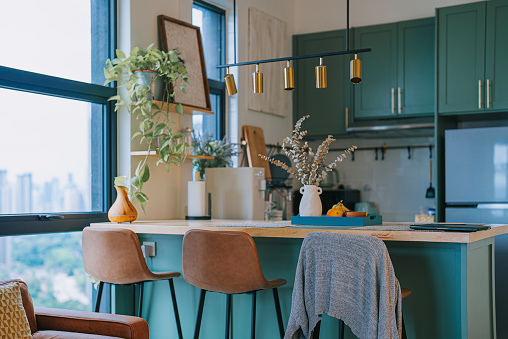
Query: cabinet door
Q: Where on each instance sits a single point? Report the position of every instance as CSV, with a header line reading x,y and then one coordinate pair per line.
x,y
461,58
496,55
375,96
326,106
415,90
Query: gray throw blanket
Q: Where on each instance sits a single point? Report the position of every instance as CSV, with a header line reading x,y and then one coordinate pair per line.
x,y
349,277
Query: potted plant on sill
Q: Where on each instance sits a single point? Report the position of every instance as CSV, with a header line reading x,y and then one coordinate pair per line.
x,y
144,77
221,150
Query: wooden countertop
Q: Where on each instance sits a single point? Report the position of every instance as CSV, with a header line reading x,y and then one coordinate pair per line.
x,y
180,227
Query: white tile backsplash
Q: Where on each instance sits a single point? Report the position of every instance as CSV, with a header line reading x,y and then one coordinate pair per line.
x,y
397,184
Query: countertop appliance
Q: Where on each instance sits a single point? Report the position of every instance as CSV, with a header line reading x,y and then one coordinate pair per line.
x,y
476,191
236,193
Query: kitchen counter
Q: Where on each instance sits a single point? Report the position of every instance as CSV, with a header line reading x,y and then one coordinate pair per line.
x,y
451,275
179,227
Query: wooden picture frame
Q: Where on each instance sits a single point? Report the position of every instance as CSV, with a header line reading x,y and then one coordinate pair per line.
x,y
186,39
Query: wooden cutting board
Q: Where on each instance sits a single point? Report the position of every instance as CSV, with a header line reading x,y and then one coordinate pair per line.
x,y
256,145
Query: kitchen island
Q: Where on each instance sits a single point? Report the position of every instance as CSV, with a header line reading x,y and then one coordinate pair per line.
x,y
451,275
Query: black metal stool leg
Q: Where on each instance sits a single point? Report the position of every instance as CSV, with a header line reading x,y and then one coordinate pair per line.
x,y
279,314
228,313
175,308
200,313
341,329
133,299
99,296
315,334
253,315
140,309
404,336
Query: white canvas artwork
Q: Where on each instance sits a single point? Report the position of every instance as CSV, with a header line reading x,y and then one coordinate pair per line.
x,y
268,39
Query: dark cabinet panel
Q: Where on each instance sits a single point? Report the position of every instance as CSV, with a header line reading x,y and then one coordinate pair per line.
x,y
375,95
416,60
326,106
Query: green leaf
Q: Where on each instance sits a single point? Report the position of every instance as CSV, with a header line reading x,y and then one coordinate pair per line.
x,y
145,174
186,80
183,89
179,109
120,54
121,181
138,133
114,97
142,199
159,129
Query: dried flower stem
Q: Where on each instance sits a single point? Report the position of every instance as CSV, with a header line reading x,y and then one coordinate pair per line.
x,y
309,167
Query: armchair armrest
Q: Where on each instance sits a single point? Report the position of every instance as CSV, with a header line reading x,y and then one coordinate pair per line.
x,y
113,325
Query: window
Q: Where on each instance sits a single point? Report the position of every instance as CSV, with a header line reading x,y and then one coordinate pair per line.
x,y
211,21
57,137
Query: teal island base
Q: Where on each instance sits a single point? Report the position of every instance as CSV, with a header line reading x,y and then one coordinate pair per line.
x,y
452,285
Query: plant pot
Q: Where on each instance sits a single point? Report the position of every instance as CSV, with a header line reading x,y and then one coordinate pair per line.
x,y
310,205
122,210
157,87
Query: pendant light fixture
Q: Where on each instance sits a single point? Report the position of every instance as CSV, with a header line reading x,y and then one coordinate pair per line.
x,y
229,79
321,78
257,81
321,75
356,70
289,77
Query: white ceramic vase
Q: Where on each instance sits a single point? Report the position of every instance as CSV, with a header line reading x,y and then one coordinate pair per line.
x,y
310,205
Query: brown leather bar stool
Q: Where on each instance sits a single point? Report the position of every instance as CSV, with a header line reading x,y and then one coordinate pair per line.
x,y
114,256
226,262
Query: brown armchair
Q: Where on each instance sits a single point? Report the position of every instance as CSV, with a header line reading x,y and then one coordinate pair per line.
x,y
52,323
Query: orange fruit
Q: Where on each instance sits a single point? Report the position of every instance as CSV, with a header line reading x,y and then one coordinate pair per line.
x,y
334,212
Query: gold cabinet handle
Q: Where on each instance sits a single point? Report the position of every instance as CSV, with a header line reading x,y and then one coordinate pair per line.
x,y
488,93
479,94
399,104
393,100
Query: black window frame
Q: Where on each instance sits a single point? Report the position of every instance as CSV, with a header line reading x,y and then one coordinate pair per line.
x,y
215,86
103,19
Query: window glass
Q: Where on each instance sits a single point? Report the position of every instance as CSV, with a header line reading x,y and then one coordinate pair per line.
x,y
211,24
51,154
52,37
51,265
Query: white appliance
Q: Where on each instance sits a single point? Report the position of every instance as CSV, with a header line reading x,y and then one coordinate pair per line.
x,y
236,193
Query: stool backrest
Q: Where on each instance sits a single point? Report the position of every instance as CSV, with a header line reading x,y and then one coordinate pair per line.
x,y
113,255
221,261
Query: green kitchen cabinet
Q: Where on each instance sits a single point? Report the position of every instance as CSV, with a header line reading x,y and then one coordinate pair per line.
x,y
472,53
398,75
326,106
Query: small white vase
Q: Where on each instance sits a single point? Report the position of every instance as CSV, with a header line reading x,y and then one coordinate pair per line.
x,y
310,205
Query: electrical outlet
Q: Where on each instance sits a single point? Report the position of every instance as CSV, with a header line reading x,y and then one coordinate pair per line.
x,y
149,248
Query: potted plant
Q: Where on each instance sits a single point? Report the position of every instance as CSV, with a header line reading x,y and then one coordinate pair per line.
x,y
146,76
309,166
221,150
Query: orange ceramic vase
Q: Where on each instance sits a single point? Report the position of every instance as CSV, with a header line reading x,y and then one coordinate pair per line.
x,y
122,210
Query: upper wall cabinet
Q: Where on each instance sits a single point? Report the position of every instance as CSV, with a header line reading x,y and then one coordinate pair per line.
x,y
472,54
398,75
326,106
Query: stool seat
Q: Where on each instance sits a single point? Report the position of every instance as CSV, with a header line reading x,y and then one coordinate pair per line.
x,y
405,292
274,283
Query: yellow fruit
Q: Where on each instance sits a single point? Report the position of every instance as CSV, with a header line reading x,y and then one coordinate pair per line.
x,y
341,206
334,212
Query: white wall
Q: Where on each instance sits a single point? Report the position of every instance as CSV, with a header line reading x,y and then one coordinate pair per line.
x,y
325,15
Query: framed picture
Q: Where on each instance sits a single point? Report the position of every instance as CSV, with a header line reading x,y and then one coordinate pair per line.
x,y
186,39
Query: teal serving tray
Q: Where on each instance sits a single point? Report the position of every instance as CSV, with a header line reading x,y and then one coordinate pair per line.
x,y
325,222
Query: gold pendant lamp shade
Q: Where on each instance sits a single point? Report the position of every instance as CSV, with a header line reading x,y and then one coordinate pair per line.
x,y
356,70
321,75
229,81
257,81
289,77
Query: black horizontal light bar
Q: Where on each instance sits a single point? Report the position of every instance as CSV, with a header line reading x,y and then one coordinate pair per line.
x,y
352,51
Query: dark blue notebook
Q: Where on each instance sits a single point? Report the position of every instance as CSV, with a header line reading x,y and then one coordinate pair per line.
x,y
451,227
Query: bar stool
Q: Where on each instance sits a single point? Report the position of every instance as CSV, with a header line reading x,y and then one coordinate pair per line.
x,y
226,262
114,256
351,278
